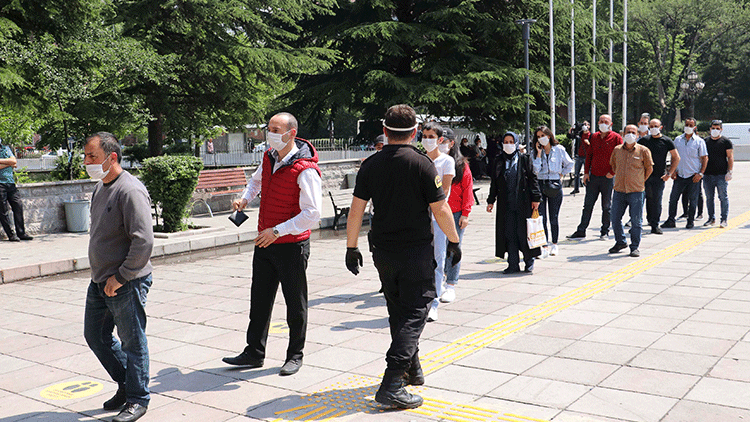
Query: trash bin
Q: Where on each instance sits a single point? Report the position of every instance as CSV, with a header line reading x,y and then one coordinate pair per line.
x,y
77,215
351,180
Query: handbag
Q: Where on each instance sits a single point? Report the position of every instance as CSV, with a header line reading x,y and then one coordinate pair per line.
x,y
535,231
551,188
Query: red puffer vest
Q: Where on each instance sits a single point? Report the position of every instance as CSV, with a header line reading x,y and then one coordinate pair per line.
x,y
279,193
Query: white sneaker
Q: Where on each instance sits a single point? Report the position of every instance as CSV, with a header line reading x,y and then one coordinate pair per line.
x,y
723,224
432,315
545,252
553,250
449,295
603,237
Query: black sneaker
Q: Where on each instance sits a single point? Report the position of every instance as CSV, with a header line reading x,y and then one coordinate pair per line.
x,y
14,238
656,230
689,225
618,247
577,235
116,401
26,237
709,223
131,412
669,224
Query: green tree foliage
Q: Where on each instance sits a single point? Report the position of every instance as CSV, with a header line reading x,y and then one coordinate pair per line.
x,y
231,56
671,37
69,169
170,181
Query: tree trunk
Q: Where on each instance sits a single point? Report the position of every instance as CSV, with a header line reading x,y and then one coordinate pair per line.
x,y
156,136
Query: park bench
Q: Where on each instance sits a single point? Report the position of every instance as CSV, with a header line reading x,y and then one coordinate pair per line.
x,y
219,183
341,200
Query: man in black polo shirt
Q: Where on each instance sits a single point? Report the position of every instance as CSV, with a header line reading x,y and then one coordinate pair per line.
x,y
404,186
718,172
659,145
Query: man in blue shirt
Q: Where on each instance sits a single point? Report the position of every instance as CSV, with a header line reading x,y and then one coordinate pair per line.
x,y
9,195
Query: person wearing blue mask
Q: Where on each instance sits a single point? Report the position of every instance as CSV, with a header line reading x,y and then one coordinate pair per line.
x,y
514,186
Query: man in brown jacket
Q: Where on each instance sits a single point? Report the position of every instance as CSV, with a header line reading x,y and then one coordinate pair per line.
x,y
632,165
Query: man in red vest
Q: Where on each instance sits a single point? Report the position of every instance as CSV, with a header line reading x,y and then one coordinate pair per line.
x,y
289,179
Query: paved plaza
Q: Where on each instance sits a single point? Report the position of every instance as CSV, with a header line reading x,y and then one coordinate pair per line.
x,y
589,336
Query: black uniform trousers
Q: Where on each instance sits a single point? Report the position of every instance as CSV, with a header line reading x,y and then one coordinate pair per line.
x,y
283,263
408,280
9,195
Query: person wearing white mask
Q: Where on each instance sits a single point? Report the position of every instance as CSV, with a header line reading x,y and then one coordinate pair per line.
x,y
718,173
660,145
290,206
632,165
434,144
514,186
120,246
643,125
551,164
597,176
688,175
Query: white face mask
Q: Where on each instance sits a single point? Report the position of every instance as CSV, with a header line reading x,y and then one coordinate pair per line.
x,y
429,144
715,133
603,127
688,130
630,138
96,172
509,148
385,141
585,128
642,128
654,131
275,140
444,148
544,141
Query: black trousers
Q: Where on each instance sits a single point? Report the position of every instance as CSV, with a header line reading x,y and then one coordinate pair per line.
x,y
283,263
9,195
408,280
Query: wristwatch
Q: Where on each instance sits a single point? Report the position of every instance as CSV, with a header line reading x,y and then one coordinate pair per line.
x,y
275,232
701,174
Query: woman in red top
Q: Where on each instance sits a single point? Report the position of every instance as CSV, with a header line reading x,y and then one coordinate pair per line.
x,y
460,200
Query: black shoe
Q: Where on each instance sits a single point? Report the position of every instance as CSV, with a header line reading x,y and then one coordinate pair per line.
x,y
244,359
131,412
669,224
574,191
26,237
14,238
710,222
577,235
618,247
682,216
635,253
393,393
290,367
116,401
699,216
656,230
510,270
529,268
689,225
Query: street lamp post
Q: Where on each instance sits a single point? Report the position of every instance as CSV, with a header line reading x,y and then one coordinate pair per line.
x,y
526,23
691,88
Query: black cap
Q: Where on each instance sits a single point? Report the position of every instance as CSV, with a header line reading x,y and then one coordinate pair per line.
x,y
448,134
380,139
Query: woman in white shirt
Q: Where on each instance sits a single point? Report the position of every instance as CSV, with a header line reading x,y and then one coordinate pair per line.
x,y
551,164
433,142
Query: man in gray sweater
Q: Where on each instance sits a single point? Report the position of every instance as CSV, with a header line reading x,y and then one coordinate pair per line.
x,y
121,240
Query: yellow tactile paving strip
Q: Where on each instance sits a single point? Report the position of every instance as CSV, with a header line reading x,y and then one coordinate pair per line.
x,y
355,395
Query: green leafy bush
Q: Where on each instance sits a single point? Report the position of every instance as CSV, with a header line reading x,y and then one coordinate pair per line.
x,y
22,176
170,181
63,164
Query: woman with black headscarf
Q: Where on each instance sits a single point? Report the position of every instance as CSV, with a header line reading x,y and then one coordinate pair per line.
x,y
514,184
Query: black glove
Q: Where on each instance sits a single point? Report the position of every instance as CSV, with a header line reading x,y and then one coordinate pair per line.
x,y
354,260
454,249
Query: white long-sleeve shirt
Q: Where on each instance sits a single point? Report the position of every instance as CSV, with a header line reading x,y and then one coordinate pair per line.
x,y
310,196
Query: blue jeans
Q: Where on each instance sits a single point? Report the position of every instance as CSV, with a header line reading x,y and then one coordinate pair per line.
x,y
718,182
654,192
634,201
550,206
595,186
441,246
692,190
127,362
451,272
580,161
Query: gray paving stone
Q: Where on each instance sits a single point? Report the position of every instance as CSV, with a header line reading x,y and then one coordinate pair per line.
x,y
623,405
723,392
651,382
467,379
692,344
501,360
616,354
543,392
684,363
691,411
571,370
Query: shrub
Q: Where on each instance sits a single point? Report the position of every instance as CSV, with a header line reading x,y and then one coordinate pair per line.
x,y
22,176
170,181
63,164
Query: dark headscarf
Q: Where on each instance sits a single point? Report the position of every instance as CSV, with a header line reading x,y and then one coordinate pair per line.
x,y
517,141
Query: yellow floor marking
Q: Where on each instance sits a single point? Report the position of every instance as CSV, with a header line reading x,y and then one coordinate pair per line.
x,y
360,388
294,409
312,412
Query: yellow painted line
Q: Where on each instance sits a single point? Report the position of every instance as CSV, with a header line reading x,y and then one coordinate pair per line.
x,y
478,340
312,412
335,415
524,417
293,409
331,410
464,416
